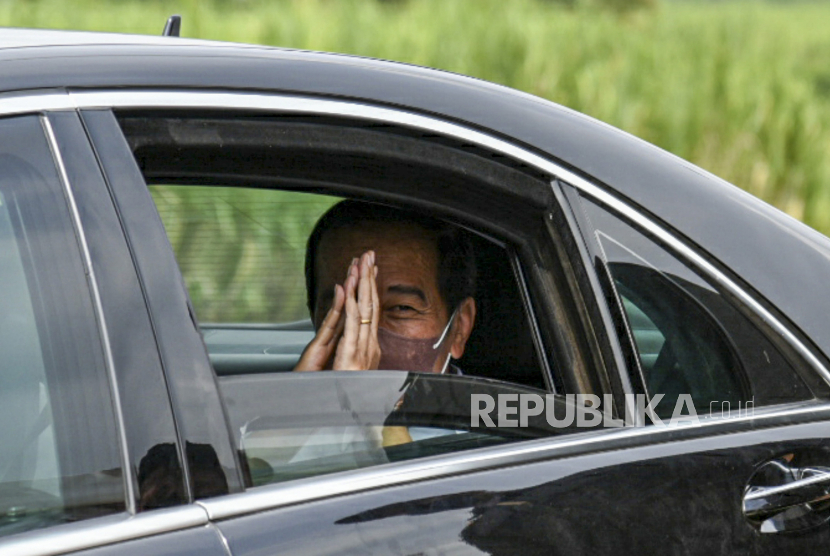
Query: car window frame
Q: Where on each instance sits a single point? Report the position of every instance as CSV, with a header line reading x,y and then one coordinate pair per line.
x,y
516,252
88,100
530,262
282,103
197,408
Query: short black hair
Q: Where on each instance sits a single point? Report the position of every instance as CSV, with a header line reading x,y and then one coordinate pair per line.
x,y
456,259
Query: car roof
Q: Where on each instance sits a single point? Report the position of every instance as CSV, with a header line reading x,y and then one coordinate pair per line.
x,y
736,228
28,38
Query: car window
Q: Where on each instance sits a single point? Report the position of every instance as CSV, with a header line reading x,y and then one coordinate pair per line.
x,y
59,456
239,204
241,252
689,337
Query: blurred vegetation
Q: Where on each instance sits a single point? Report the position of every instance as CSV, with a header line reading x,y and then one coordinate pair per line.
x,y
241,251
741,88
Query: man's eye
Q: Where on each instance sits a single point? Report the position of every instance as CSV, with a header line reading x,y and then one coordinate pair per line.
x,y
402,308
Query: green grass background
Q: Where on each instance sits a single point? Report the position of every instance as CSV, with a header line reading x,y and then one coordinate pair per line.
x,y
741,88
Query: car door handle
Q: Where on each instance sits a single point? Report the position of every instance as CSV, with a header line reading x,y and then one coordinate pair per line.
x,y
760,501
782,497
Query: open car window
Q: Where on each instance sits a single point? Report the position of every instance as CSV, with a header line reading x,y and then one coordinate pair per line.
x,y
241,251
238,200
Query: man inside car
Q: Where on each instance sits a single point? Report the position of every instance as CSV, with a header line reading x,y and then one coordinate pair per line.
x,y
387,289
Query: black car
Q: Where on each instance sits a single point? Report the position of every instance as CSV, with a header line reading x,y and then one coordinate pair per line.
x,y
156,195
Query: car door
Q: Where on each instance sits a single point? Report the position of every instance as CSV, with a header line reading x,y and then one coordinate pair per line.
x,y
90,462
744,478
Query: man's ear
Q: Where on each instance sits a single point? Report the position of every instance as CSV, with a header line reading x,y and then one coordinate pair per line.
x,y
465,319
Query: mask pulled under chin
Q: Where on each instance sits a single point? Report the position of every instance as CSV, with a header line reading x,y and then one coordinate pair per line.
x,y
399,353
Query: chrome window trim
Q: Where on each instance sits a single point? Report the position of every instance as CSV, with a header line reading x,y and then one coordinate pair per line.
x,y
298,104
102,531
12,104
129,489
276,496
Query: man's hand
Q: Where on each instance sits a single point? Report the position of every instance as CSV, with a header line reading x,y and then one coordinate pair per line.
x,y
320,350
358,348
349,331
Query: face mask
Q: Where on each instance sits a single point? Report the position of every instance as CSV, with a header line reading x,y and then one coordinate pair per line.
x,y
400,353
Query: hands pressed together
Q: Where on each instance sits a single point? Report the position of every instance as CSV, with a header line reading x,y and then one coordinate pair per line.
x,y
349,332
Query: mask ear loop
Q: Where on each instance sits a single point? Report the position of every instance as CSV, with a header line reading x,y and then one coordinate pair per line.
x,y
441,339
446,363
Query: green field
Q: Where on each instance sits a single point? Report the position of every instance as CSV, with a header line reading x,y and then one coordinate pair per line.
x,y
740,88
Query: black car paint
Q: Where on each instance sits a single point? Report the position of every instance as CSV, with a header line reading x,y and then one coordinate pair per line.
x,y
601,503
598,499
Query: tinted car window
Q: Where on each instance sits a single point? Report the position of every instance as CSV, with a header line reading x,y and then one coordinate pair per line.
x,y
690,338
293,425
59,460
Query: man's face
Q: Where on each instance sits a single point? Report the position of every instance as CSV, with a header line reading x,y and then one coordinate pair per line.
x,y
407,260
